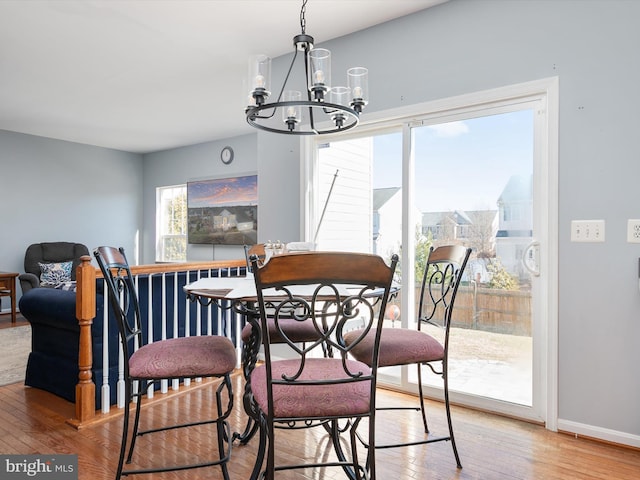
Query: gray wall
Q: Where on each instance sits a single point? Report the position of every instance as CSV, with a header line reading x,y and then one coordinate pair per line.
x,y
53,191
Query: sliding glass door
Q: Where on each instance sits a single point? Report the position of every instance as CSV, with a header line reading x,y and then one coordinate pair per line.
x,y
472,175
473,182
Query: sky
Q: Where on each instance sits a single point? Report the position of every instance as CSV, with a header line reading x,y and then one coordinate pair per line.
x,y
223,192
462,165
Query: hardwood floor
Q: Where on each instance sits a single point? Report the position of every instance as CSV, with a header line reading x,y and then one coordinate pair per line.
x,y
5,320
491,447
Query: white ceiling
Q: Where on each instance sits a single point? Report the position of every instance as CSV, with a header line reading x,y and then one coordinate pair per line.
x,y
148,75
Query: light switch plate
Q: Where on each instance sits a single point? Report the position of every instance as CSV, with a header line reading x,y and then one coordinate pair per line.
x,y
587,231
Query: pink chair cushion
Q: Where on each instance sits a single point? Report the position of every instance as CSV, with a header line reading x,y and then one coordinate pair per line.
x,y
297,332
184,357
313,401
398,346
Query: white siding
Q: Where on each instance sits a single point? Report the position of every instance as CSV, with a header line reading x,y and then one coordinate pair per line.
x,y
347,223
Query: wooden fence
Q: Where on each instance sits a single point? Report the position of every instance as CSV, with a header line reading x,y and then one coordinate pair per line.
x,y
491,310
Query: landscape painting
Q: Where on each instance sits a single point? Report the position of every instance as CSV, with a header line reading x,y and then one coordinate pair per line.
x,y
223,211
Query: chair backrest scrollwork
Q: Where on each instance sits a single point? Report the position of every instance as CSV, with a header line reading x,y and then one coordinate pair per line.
x,y
329,289
440,282
122,295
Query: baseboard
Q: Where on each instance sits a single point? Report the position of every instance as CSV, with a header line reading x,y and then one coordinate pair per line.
x,y
598,433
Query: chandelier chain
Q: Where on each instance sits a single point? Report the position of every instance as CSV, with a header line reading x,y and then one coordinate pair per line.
x,y
303,20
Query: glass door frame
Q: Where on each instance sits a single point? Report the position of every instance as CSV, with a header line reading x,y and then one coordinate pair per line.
x,y
542,95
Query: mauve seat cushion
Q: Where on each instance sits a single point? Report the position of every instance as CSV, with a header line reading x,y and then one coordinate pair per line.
x,y
184,357
398,346
297,332
313,401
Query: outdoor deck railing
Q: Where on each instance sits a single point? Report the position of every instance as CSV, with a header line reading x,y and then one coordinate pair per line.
x,y
172,297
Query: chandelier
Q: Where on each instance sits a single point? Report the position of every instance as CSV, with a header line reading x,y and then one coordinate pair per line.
x,y
292,114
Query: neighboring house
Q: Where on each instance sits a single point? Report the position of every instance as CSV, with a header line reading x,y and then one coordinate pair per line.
x,y
476,229
515,224
444,226
504,234
387,220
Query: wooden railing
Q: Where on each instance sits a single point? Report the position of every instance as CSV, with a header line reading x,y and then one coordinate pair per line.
x,y
86,276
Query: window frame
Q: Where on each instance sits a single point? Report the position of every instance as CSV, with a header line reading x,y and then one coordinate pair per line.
x,y
161,236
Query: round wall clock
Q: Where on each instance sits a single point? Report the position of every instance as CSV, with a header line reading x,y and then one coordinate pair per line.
x,y
226,155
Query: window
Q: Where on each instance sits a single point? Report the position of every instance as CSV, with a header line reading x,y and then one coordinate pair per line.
x,y
171,224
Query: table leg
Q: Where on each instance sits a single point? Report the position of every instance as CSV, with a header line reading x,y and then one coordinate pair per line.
x,y
250,352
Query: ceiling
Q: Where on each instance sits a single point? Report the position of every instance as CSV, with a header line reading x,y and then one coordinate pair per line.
x,y
149,75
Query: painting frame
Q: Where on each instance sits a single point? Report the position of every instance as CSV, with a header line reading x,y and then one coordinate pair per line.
x,y
223,211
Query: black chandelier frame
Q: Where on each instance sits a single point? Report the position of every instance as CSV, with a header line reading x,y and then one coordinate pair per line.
x,y
351,115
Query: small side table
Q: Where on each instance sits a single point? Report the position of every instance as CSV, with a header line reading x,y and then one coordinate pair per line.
x,y
8,288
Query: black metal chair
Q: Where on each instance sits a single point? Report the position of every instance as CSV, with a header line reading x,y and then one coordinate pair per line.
x,y
293,330
406,346
330,290
175,358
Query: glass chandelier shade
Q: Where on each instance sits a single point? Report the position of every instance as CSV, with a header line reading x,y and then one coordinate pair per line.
x,y
259,79
358,78
319,74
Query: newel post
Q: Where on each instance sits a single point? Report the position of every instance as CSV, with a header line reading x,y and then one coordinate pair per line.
x,y
85,312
